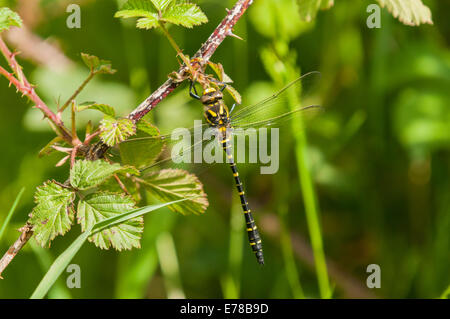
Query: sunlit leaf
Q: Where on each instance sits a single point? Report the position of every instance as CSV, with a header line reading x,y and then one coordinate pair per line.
x,y
114,131
104,108
53,214
176,184
147,23
410,12
97,65
161,5
86,174
185,14
97,207
142,9
9,18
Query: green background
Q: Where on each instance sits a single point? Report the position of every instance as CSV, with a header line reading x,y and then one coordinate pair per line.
x,y
379,155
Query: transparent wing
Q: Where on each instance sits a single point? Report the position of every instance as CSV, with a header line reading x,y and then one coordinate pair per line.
x,y
181,146
276,107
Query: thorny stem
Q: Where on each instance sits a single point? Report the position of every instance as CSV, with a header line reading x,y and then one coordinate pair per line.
x,y
22,85
224,29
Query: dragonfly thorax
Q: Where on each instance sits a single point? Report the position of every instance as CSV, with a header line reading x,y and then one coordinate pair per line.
x,y
216,114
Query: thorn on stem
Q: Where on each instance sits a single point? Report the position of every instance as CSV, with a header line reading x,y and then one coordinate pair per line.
x,y
231,34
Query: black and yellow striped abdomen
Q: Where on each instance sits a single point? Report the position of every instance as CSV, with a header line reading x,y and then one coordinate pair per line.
x,y
252,231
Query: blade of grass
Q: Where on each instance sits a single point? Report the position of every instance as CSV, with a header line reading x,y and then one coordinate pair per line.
x,y
231,280
11,212
64,259
58,291
169,266
309,198
288,256
446,293
58,266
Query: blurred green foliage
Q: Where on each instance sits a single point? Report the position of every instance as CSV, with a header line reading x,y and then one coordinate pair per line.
x,y
379,156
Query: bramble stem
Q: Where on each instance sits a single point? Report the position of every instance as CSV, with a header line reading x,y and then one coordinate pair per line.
x,y
23,86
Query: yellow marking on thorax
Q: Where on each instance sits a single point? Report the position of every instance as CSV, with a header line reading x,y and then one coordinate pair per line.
x,y
209,90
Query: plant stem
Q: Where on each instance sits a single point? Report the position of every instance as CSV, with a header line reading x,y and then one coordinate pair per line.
x,y
176,47
75,94
205,52
23,86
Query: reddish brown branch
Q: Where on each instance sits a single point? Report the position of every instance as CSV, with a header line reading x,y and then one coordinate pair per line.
x,y
224,29
27,232
21,83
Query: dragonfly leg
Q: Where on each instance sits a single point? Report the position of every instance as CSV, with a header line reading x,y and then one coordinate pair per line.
x,y
193,94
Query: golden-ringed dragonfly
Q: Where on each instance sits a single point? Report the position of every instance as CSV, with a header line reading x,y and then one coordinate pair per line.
x,y
265,113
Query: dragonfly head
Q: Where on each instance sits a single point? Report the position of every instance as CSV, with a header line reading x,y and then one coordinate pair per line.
x,y
211,96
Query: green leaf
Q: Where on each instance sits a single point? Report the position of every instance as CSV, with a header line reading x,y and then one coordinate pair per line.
x,y
140,9
48,149
185,14
86,174
97,207
9,18
53,214
141,151
308,8
161,5
147,23
147,128
97,65
114,131
63,260
410,12
104,108
174,184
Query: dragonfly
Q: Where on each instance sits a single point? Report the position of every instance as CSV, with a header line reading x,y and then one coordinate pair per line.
x,y
225,122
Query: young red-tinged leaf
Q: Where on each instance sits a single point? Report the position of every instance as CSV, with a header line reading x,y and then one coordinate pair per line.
x,y
175,184
99,206
218,69
104,108
184,14
9,18
87,174
97,65
53,214
234,94
114,131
